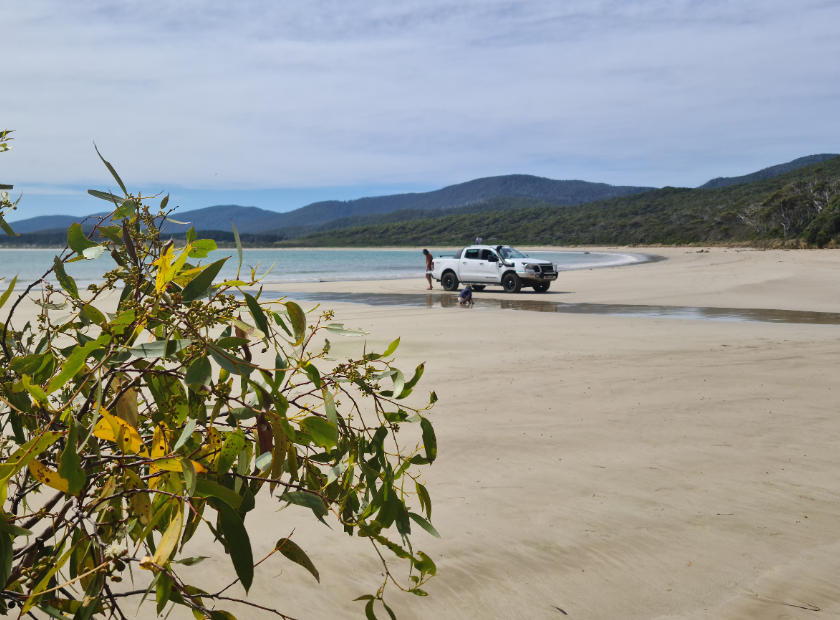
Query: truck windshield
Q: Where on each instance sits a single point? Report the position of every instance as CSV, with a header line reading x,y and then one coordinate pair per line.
x,y
509,252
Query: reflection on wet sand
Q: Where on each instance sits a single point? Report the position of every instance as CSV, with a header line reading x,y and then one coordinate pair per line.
x,y
447,300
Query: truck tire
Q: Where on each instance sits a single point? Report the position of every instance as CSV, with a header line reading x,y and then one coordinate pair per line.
x,y
449,281
478,287
511,283
542,287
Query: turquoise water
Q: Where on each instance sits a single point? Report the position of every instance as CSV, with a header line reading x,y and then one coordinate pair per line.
x,y
294,265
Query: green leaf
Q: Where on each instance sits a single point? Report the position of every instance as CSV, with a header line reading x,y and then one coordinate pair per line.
x,y
126,209
77,240
238,247
159,348
208,488
199,285
106,196
292,551
6,557
324,434
229,362
425,564
93,253
192,236
257,313
312,371
263,461
418,372
369,610
424,524
163,589
7,229
11,529
199,375
238,542
425,500
70,464
188,469
340,330
113,233
189,427
95,316
201,247
66,282
307,500
29,364
429,439
113,172
5,296
399,382
391,348
298,320
28,451
72,365
388,609
191,561
231,448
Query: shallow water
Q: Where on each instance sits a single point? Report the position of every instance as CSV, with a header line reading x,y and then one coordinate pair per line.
x,y
296,265
448,300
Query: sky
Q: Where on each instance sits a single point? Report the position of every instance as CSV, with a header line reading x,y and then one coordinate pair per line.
x,y
279,104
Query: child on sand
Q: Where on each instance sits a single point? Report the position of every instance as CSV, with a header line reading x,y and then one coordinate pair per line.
x,y
465,297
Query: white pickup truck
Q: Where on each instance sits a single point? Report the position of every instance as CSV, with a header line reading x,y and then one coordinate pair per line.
x,y
500,265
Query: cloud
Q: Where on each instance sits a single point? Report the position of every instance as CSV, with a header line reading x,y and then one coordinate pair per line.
x,y
302,95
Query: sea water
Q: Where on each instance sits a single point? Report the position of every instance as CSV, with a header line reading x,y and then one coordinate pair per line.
x,y
291,265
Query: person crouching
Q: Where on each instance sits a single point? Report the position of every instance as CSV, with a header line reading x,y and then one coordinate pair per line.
x,y
465,297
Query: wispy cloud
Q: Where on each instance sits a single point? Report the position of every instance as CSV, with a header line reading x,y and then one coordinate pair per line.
x,y
307,94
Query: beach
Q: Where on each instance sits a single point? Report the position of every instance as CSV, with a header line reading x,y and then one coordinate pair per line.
x,y
598,466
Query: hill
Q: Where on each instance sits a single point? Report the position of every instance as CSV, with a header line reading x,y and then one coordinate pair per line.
x,y
258,221
802,206
767,173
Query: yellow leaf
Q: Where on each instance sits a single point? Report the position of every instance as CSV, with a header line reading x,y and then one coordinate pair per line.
x,y
141,503
210,452
185,277
167,270
175,465
47,476
160,441
112,428
164,268
170,538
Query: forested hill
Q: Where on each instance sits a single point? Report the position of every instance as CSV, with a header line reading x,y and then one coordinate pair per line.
x,y
802,206
307,219
561,193
768,173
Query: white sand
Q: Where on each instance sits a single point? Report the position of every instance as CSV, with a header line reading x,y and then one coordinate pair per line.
x,y
611,467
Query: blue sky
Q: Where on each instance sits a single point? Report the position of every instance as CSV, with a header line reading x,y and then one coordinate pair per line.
x,y
278,104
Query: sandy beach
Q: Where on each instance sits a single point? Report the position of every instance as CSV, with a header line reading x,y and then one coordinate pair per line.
x,y
597,467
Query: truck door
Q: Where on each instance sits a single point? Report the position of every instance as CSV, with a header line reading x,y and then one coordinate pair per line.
x,y
488,266
469,266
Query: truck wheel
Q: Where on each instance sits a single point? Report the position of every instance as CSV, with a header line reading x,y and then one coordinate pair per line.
x,y
542,287
477,287
449,281
511,283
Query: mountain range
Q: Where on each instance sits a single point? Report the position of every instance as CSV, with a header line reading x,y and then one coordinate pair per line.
x,y
320,219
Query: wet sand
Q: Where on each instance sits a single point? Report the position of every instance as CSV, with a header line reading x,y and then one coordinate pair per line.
x,y
605,466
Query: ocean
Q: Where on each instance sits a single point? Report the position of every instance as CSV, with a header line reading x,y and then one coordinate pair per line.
x,y
292,265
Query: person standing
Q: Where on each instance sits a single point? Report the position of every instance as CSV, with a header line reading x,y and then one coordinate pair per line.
x,y
428,268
